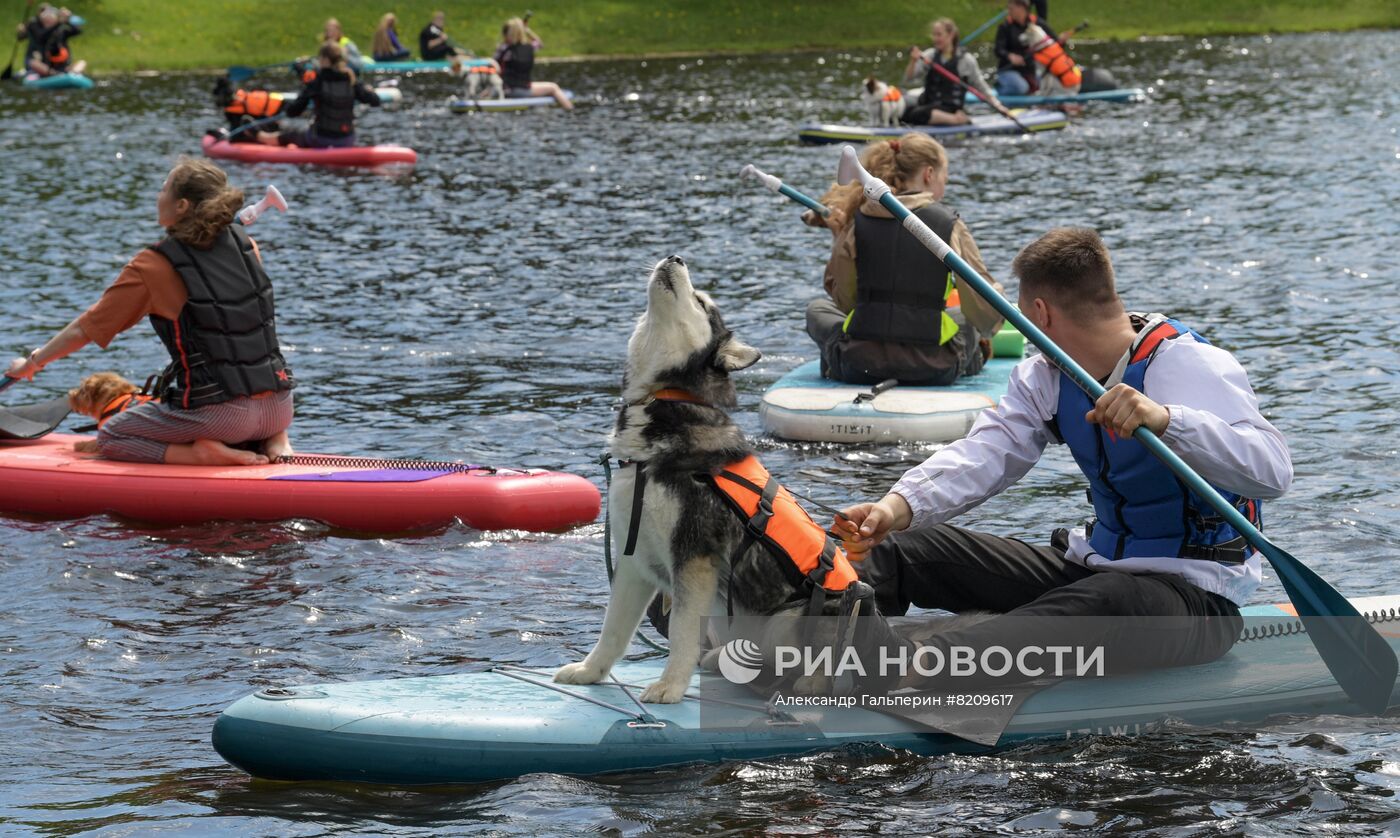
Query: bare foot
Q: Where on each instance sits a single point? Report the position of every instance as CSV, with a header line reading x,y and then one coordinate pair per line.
x,y
278,445
208,452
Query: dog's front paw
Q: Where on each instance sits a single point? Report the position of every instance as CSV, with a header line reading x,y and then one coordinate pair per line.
x,y
579,673
86,446
665,692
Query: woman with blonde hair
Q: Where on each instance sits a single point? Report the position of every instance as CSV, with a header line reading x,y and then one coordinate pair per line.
x,y
210,302
386,45
941,102
888,314
333,34
516,55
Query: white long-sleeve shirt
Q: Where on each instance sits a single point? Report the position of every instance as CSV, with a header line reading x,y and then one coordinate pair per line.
x,y
1215,427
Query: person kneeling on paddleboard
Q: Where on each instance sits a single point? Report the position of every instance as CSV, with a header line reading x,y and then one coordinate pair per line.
x,y
891,312
334,90
209,301
1155,548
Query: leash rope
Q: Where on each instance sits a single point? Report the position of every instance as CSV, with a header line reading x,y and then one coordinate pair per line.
x,y
1292,627
373,462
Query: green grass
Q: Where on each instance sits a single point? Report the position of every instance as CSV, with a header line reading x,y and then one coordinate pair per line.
x,y
190,34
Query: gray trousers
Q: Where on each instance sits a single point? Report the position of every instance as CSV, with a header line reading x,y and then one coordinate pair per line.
x,y
141,434
870,362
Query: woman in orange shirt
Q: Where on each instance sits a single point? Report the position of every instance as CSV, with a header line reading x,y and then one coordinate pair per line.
x,y
206,295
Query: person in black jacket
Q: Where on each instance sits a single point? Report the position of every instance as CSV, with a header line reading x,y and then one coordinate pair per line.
x,y
516,55
1015,65
334,90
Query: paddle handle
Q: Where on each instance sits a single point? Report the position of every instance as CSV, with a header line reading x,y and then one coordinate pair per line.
x,y
877,190
983,28
776,185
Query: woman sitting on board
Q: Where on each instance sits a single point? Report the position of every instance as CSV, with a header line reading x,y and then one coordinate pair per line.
x,y
333,34
433,43
386,45
48,34
209,301
517,59
334,90
941,102
890,314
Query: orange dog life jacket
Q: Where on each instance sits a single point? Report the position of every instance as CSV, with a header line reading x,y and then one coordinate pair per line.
x,y
773,517
1057,62
122,404
254,103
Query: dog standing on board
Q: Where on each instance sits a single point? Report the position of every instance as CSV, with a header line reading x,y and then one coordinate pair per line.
x,y
884,103
675,431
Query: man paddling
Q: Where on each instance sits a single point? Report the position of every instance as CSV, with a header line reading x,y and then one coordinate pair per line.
x,y
1154,550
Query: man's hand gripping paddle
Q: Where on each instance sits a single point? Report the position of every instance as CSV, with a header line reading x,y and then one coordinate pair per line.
x,y
1358,657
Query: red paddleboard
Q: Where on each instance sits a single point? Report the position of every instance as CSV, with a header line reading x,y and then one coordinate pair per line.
x,y
360,155
47,477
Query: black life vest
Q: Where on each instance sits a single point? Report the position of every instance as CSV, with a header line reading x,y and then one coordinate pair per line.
x,y
335,104
901,288
224,343
517,65
939,90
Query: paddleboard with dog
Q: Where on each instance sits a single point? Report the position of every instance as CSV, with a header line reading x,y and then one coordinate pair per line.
x,y
59,81
48,477
1034,120
520,104
509,721
369,156
805,407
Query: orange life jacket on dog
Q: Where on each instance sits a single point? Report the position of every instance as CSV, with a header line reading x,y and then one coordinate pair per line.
x,y
122,404
254,103
773,517
1057,62
892,95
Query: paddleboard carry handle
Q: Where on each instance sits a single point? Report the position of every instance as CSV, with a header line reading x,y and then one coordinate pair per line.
x,y
883,387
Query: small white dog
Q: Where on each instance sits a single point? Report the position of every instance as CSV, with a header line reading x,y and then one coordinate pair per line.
x,y
484,83
883,102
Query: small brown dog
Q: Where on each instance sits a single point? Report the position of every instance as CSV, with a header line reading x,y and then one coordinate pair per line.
x,y
103,395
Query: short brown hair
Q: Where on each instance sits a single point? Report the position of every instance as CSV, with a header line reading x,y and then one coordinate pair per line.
x,y
1069,268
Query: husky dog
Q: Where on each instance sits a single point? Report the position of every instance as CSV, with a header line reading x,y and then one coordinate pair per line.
x,y
685,534
885,104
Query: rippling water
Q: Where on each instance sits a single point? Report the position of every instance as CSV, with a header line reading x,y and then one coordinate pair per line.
x,y
479,308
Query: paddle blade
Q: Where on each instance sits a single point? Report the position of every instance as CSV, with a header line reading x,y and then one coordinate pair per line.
x,y
34,420
1358,657
241,72
6,382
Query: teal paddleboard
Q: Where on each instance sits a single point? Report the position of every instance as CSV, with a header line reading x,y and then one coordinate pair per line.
x,y
500,724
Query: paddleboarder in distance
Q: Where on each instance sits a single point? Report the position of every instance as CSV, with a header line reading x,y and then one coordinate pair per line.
x,y
1154,549
210,302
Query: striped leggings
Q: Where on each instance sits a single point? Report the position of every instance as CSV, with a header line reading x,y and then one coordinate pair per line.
x,y
142,434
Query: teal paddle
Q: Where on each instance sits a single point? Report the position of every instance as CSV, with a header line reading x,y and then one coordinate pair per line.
x,y
1358,657
10,67
242,72
246,126
775,185
983,28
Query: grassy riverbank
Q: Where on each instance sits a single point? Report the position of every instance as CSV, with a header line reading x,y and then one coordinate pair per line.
x,y
191,34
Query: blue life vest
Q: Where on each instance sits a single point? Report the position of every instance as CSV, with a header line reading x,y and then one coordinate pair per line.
x,y
1141,508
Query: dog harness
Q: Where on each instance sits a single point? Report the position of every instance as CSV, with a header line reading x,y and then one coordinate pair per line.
x,y
121,404
807,554
1142,509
